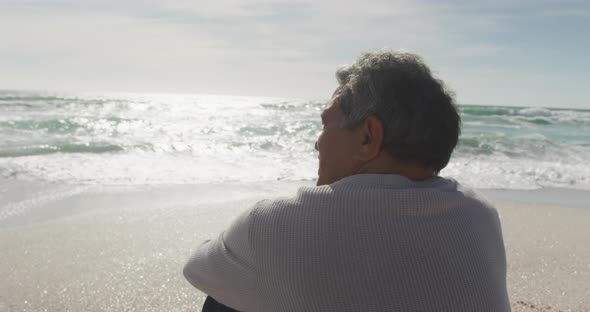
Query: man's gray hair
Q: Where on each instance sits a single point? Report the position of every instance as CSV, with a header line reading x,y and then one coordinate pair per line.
x,y
419,117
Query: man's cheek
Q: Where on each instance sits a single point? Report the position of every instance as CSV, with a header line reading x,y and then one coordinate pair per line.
x,y
321,165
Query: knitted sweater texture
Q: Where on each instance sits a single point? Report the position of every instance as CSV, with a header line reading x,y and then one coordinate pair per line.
x,y
369,242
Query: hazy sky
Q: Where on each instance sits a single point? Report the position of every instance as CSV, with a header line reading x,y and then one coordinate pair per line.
x,y
533,53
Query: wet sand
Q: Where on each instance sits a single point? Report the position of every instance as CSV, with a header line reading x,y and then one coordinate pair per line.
x,y
118,248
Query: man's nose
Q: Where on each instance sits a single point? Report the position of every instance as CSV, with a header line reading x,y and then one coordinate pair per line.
x,y
316,146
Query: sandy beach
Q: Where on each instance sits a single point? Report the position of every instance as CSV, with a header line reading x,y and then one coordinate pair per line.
x,y
122,248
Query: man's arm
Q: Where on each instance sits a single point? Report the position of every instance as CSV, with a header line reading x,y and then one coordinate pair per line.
x,y
224,267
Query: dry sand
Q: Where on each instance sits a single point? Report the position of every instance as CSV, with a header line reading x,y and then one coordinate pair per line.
x,y
548,253
122,249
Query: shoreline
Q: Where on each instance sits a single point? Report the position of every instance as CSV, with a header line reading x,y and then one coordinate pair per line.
x,y
31,202
100,248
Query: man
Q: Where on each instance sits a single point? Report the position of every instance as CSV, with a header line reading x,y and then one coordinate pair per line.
x,y
381,231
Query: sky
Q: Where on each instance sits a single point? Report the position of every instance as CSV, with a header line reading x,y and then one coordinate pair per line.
x,y
521,53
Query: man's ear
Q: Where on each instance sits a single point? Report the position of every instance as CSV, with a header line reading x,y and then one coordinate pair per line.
x,y
371,132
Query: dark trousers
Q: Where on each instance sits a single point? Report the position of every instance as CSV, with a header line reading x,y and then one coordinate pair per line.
x,y
211,305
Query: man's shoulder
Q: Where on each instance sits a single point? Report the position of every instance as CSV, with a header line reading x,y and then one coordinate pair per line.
x,y
305,196
474,203
473,194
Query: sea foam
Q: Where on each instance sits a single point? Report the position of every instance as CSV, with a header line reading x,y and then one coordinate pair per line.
x,y
177,139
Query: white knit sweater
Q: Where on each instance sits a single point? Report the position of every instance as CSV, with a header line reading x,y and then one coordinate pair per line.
x,y
368,242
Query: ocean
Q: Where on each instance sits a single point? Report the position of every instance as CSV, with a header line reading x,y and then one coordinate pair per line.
x,y
138,139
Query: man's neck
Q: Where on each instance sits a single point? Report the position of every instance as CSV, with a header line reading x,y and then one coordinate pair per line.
x,y
384,164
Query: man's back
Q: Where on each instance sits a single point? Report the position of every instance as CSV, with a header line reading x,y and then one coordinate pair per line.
x,y
369,242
